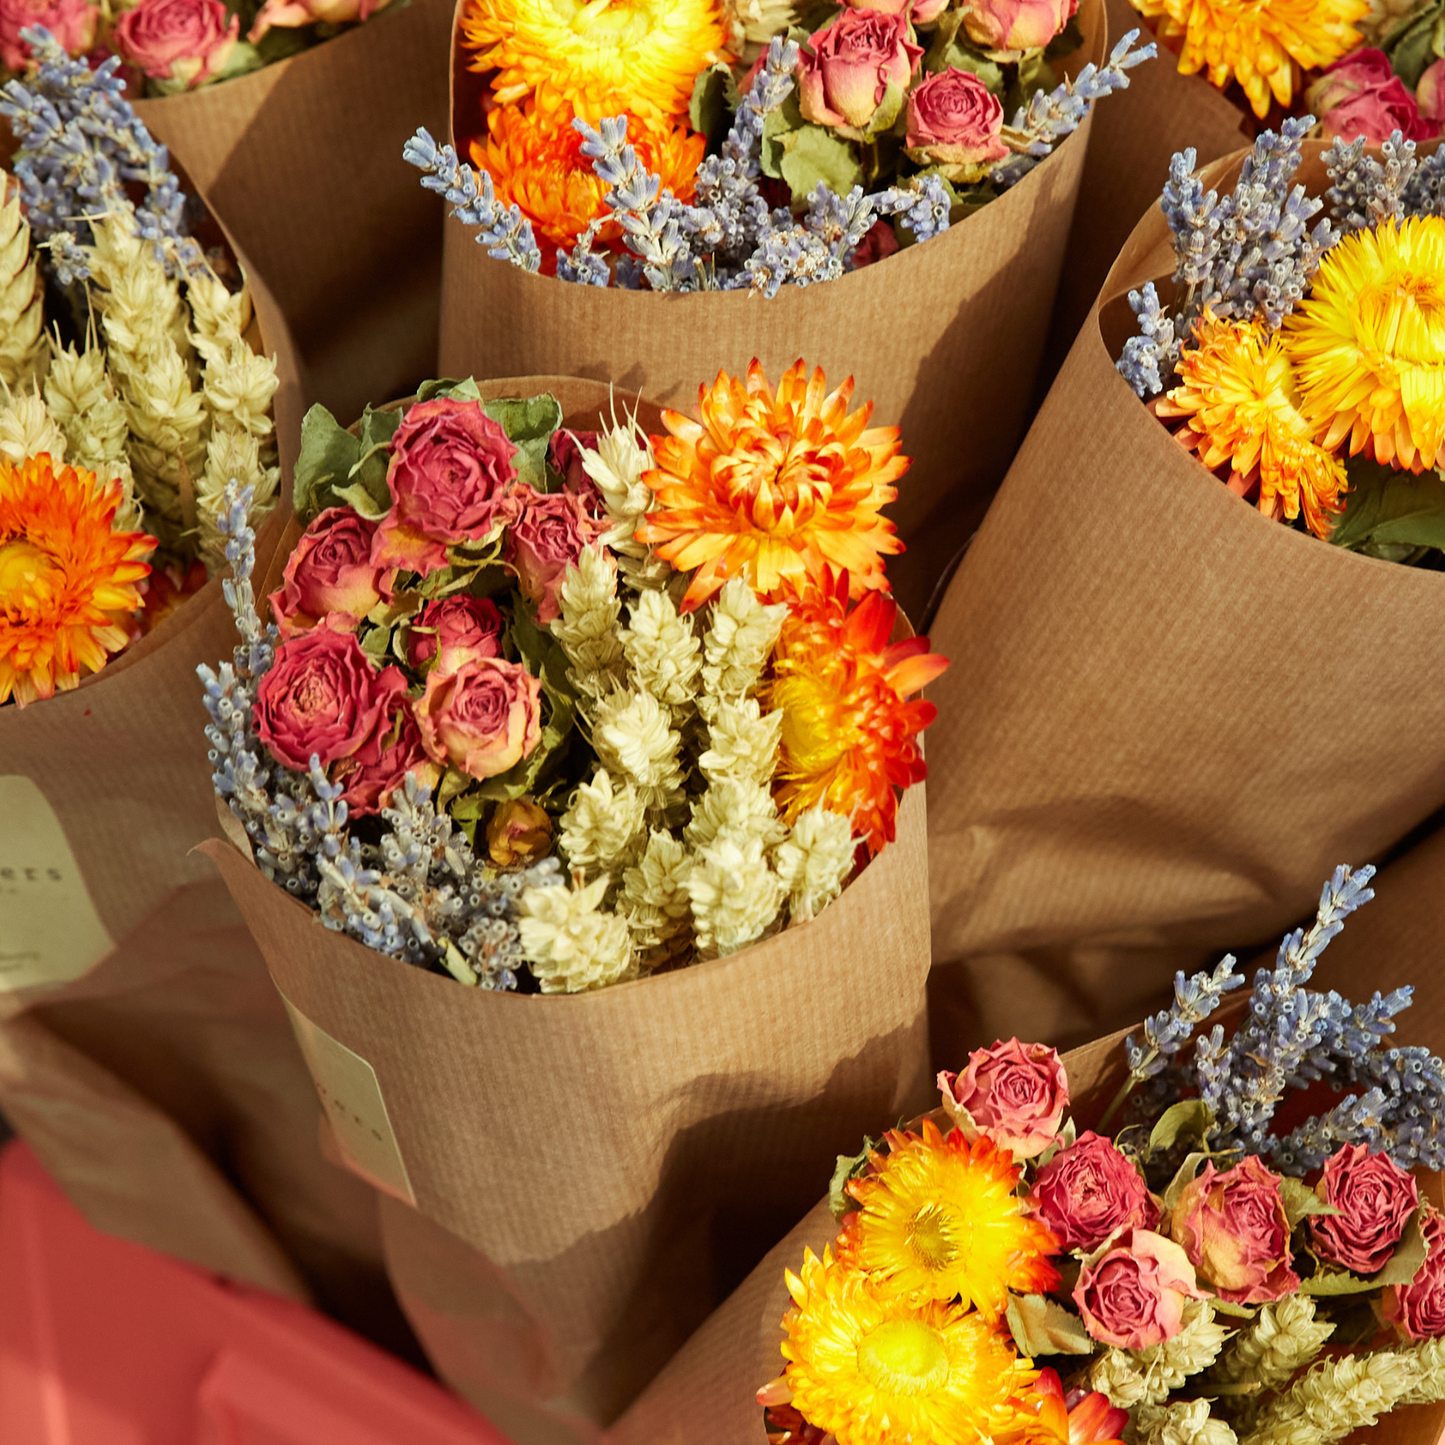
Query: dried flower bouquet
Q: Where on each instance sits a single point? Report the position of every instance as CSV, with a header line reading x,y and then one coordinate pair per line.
x,y
1205,1273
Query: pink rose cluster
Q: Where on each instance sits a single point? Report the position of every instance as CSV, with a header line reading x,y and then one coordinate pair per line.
x,y
1228,1235
1361,96
846,69
453,483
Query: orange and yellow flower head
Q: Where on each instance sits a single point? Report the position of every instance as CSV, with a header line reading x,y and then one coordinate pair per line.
x,y
938,1219
596,57
535,160
1263,44
873,1370
67,582
1241,402
1368,344
1045,1417
850,734
775,487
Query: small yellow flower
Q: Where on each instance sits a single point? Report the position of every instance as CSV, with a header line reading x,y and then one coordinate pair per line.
x,y
1263,44
597,57
875,1371
1241,402
1368,344
938,1219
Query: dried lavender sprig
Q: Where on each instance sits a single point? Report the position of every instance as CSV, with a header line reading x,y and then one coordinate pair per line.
x,y
649,214
1051,115
1365,191
505,232
81,142
1287,1023
582,265
1149,357
922,203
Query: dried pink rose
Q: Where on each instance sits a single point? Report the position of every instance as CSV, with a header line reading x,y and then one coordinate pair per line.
x,y
1375,1198
1089,1190
71,22
1016,24
1014,1094
184,41
544,542
330,570
1131,1293
954,119
1362,96
1234,1229
1417,1309
455,630
845,69
286,14
484,718
379,768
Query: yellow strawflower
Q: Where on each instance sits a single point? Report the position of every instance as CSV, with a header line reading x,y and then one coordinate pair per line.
x,y
1368,344
1263,44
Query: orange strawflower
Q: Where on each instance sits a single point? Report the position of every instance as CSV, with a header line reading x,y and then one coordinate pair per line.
x,y
1046,1419
849,736
775,488
536,162
596,57
1241,402
66,580
938,1219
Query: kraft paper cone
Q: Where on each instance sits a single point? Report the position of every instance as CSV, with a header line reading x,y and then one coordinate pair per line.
x,y
1136,133
706,1393
303,159
944,338
1167,718
144,1054
578,1175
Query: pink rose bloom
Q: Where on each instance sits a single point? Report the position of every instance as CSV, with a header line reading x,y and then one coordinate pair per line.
x,y
544,542
287,14
920,12
846,68
330,570
1375,1198
564,455
451,479
1362,96
380,766
323,696
1234,1229
1014,1094
71,22
1087,1191
1132,1294
455,630
1017,24
484,718
1417,1309
1430,96
187,41
954,119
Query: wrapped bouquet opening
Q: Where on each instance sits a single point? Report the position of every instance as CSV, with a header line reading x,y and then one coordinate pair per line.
x,y
1208,1263
614,702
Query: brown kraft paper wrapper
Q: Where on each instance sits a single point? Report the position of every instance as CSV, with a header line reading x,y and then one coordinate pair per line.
x,y
945,338
1167,718
706,1393
1136,133
573,1182
303,159
143,1051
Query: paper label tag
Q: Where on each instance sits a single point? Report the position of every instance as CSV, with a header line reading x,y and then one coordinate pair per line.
x,y
351,1095
50,932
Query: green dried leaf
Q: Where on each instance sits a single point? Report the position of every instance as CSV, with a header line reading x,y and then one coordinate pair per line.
x,y
812,154
1042,1327
1188,1119
359,496
529,423
778,123
465,390
328,453
1389,508
849,1166
453,784
715,100
1300,1200
1184,1175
